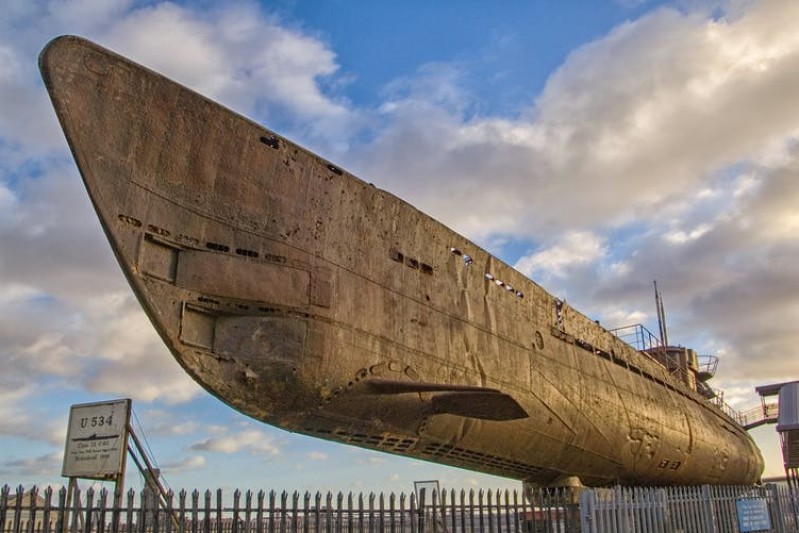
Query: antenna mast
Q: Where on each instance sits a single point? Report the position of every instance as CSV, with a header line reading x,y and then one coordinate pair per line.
x,y
664,338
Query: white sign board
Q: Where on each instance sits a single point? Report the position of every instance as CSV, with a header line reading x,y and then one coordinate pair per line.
x,y
97,440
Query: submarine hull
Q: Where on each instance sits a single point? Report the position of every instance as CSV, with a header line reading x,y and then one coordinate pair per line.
x,y
313,301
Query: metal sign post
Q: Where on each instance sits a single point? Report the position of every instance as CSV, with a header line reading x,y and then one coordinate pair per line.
x,y
97,448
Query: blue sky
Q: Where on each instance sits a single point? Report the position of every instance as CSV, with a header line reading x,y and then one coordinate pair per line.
x,y
595,145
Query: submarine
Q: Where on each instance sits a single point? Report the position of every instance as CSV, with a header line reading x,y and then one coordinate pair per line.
x,y
313,301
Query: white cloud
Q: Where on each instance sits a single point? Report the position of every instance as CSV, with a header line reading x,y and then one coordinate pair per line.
x,y
20,421
627,125
728,288
575,248
184,428
680,236
433,84
105,344
372,460
168,422
317,456
253,441
7,205
240,57
194,462
43,465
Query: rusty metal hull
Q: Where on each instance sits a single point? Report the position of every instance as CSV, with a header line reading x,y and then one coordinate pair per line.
x,y
308,299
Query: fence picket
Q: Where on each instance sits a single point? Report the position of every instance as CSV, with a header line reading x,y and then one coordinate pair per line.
x,y
371,515
295,510
32,498
360,512
329,513
340,512
248,511
306,512
18,508
675,513
283,506
403,521
234,526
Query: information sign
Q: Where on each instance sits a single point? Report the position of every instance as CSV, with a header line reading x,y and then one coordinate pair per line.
x,y
97,440
753,515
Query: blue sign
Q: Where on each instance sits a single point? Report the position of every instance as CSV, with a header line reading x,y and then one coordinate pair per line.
x,y
753,515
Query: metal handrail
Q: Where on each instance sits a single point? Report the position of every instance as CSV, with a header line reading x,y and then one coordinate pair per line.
x,y
637,336
708,364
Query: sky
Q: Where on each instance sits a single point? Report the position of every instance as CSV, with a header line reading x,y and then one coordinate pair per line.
x,y
594,145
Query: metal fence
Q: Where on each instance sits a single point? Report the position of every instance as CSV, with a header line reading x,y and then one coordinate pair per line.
x,y
689,509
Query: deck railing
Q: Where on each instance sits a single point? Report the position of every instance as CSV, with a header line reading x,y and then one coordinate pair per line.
x,y
637,336
766,413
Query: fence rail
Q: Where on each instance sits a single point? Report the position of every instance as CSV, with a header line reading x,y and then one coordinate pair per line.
x,y
689,509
